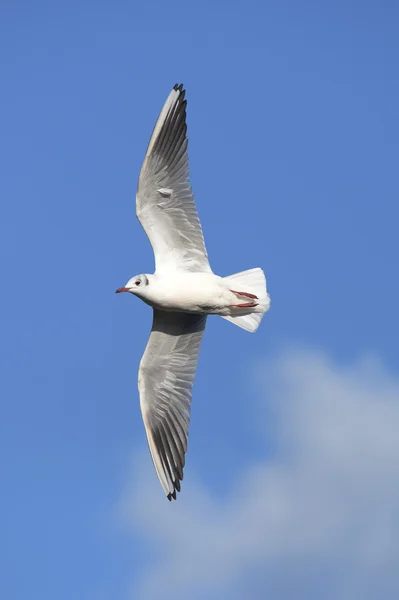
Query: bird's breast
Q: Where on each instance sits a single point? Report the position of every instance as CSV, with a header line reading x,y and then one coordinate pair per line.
x,y
192,292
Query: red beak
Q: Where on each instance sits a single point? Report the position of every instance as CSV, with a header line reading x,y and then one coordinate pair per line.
x,y
119,290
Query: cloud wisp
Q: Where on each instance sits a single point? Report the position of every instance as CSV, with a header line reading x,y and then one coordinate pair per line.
x,y
318,517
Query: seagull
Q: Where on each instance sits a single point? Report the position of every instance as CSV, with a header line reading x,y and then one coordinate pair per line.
x,y
182,292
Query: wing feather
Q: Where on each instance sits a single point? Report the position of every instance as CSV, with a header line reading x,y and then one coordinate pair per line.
x,y
170,219
166,377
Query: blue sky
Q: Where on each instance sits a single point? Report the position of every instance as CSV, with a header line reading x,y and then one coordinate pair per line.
x,y
294,139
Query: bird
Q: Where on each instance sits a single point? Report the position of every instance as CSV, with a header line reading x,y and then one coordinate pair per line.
x,y
182,292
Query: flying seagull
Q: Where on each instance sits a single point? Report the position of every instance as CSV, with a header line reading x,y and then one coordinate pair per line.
x,y
182,292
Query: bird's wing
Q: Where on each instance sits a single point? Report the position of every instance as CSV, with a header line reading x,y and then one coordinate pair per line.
x,y
164,202
166,377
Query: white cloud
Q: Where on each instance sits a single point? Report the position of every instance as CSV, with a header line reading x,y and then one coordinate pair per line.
x,y
319,518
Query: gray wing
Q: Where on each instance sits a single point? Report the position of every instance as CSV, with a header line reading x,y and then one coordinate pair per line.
x,y
164,202
166,377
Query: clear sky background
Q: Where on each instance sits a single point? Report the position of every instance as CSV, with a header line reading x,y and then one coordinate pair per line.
x,y
291,483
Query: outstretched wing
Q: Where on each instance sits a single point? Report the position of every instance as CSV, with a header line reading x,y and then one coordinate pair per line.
x,y
166,377
164,202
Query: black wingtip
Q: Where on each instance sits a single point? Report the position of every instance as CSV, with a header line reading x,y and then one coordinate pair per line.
x,y
178,87
171,495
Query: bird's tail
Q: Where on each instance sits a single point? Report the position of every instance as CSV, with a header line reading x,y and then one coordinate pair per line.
x,y
251,292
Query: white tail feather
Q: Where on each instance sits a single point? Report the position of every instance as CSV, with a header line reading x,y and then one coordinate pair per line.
x,y
252,281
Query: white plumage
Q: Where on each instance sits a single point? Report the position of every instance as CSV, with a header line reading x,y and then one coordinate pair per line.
x,y
182,291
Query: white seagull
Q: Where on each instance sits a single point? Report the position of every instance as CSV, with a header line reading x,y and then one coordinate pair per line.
x,y
182,291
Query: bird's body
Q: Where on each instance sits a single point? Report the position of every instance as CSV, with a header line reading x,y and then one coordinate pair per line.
x,y
203,293
182,292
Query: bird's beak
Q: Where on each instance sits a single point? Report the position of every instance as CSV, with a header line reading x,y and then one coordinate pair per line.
x,y
119,290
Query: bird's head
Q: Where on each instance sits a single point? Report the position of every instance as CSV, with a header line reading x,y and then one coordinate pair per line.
x,y
135,285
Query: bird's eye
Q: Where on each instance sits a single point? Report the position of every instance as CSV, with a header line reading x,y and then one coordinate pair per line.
x,y
138,282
